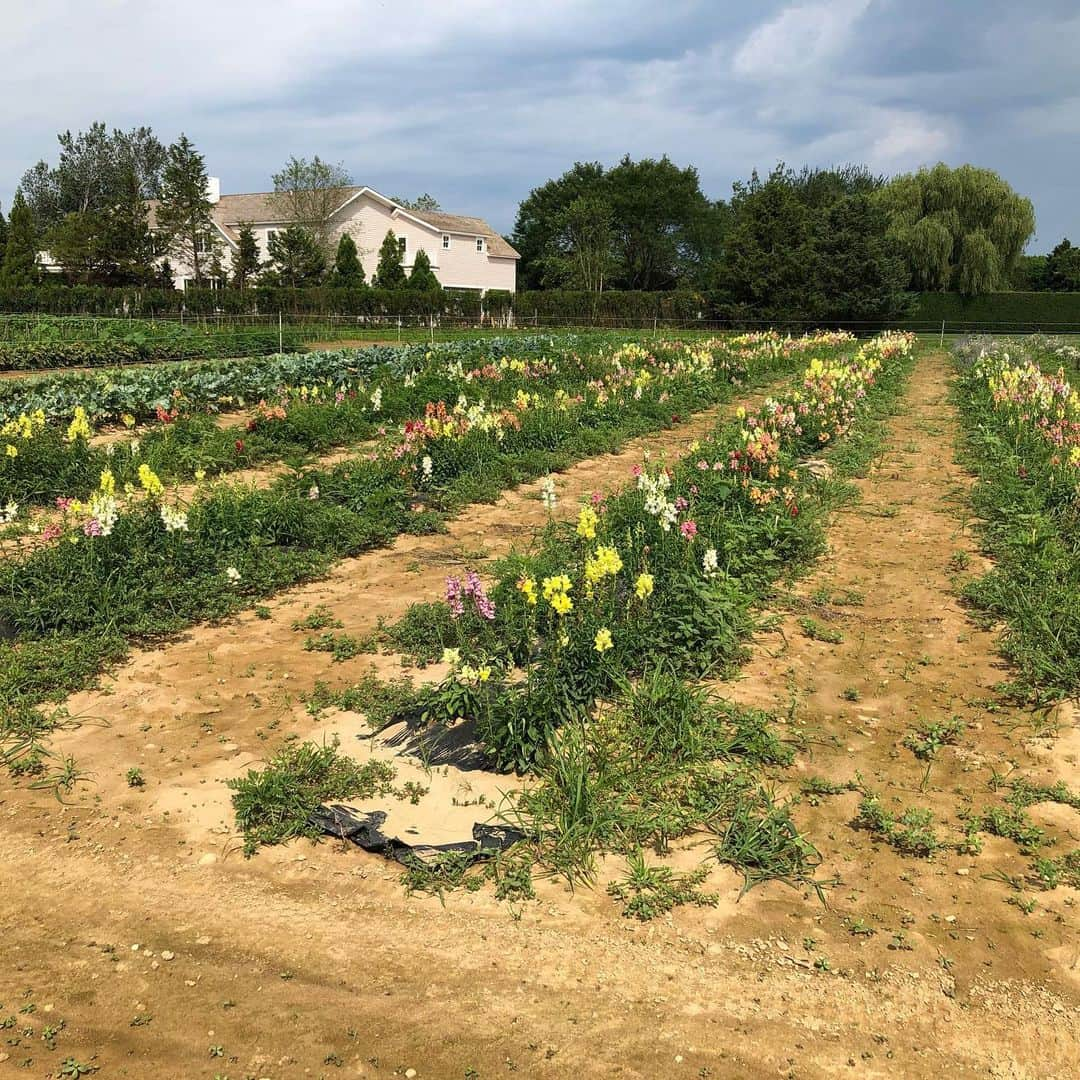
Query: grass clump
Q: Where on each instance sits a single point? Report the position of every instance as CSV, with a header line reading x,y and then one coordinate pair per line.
x,y
276,804
647,891
816,631
910,833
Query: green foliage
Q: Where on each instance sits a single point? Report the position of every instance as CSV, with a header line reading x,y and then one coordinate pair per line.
x,y
95,173
422,277
185,223
810,245
19,267
276,804
647,220
910,833
1063,268
296,257
307,193
390,274
959,229
647,891
348,272
246,261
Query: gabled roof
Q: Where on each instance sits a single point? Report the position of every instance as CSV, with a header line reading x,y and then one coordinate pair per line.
x,y
230,211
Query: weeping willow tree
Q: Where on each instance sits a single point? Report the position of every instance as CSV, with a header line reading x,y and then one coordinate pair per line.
x,y
959,229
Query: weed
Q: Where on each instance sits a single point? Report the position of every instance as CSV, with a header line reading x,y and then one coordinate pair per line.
x,y
815,631
912,833
275,804
851,693
319,618
928,738
647,891
134,778
341,646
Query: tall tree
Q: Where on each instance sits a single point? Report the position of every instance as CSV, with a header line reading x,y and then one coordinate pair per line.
x,y
21,249
94,173
961,229
811,245
79,244
308,192
389,273
539,218
3,236
653,203
185,213
1063,268
581,250
421,202
422,277
246,262
348,272
297,257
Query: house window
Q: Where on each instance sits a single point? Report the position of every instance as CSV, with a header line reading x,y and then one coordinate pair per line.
x,y
446,243
203,244
401,244
270,234
479,243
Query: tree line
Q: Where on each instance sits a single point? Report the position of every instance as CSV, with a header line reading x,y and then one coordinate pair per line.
x,y
821,243
92,213
828,244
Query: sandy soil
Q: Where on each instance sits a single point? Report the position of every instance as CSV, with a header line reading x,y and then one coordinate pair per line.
x,y
131,916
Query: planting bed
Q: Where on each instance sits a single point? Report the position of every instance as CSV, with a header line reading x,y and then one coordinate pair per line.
x,y
786,808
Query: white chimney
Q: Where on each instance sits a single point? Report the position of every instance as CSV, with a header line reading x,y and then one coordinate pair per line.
x,y
213,188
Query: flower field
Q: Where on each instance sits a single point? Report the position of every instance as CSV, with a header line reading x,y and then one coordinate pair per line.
x,y
658,667
1022,417
127,555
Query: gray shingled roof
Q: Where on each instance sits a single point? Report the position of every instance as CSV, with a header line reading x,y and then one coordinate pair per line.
x,y
258,208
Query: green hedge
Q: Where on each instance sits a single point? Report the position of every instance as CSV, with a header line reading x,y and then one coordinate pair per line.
x,y
43,355
1010,310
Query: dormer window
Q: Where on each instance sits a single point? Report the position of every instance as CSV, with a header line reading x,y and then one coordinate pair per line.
x,y
445,242
479,243
203,244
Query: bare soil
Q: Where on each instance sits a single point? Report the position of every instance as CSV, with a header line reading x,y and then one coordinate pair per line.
x,y
131,915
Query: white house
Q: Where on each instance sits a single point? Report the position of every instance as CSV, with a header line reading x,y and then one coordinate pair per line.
x,y
465,252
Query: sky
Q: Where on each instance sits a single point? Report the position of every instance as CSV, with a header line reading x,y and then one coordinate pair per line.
x,y
479,101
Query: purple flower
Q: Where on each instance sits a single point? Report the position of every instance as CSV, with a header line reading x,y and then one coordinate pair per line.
x,y
92,527
474,587
453,597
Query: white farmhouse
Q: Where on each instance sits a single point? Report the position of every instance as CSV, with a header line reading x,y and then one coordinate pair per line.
x,y
465,252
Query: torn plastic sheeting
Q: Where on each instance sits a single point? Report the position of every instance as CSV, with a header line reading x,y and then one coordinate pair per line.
x,y
365,830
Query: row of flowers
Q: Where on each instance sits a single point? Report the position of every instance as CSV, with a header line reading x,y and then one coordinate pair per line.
x,y
1034,401
634,565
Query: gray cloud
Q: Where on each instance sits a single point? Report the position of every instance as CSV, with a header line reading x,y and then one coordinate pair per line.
x,y
478,101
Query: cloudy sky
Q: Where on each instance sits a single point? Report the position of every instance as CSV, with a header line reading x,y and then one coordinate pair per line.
x,y
477,101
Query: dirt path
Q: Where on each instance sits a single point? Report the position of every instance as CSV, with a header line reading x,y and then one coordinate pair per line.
x,y
309,961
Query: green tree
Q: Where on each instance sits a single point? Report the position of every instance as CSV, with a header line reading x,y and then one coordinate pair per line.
x,y
421,202
959,229
297,257
348,272
389,273
581,250
94,173
1031,274
164,276
246,262
79,244
185,213
812,246
769,269
307,193
3,236
21,249
664,231
1063,268
422,277
540,216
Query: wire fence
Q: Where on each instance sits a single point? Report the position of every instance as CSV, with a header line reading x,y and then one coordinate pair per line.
x,y
336,327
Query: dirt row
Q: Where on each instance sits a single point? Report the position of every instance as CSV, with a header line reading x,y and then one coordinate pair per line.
x,y
310,961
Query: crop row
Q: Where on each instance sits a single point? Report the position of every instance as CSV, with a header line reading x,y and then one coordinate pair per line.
x,y
1022,439
113,574
43,462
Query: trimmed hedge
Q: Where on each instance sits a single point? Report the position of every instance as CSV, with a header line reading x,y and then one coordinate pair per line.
x,y
44,355
1017,310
